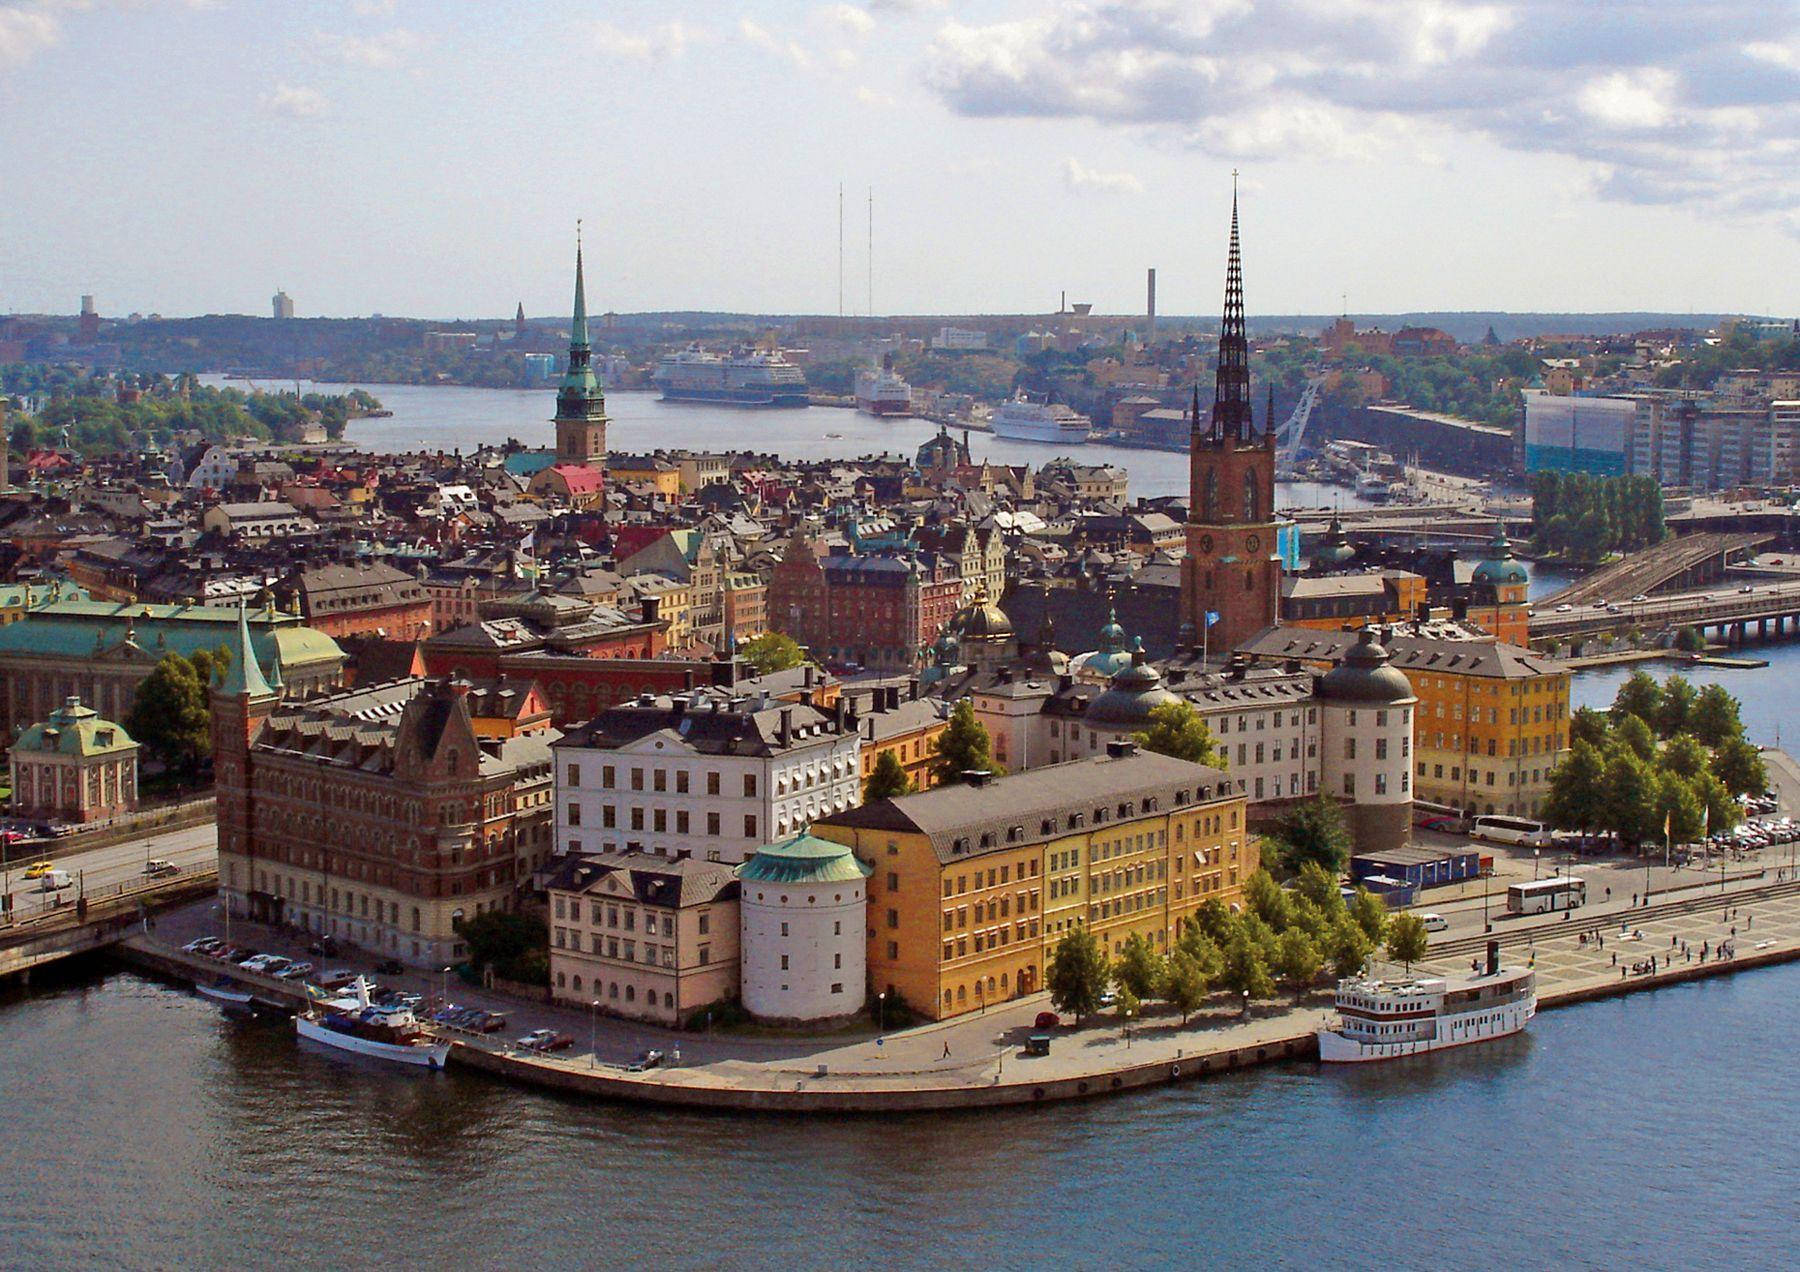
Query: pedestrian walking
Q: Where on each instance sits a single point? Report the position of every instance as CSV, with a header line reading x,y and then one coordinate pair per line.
x,y
946,1048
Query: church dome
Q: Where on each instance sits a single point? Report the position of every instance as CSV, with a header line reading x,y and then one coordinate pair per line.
x,y
1113,656
1337,548
983,620
1365,676
1134,693
1500,565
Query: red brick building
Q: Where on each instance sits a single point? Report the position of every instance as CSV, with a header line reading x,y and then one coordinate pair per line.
x,y
543,622
367,599
882,610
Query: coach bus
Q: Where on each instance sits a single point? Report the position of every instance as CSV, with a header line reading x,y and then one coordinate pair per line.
x,y
1511,830
1562,892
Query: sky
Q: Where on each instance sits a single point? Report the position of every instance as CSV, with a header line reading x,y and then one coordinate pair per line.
x,y
432,157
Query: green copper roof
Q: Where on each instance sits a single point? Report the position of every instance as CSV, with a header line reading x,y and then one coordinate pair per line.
x,y
73,729
578,396
578,332
804,859
79,629
244,676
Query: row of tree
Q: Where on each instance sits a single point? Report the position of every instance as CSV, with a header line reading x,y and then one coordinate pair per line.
x,y
1282,936
1666,759
1584,516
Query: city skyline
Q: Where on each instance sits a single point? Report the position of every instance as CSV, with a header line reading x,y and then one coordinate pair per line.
x,y
1621,158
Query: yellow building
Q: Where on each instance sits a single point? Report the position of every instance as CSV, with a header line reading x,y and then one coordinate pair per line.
x,y
909,729
973,886
1492,721
650,470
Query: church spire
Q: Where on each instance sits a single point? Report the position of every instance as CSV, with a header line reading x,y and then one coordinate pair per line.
x,y
578,331
244,678
1232,414
580,405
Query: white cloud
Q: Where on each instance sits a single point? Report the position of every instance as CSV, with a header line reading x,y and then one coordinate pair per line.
x,y
381,51
874,96
296,100
845,20
24,33
1629,99
760,37
1785,53
662,43
1078,177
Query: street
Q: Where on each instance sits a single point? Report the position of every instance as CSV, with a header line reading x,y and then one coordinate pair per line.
x,y
103,869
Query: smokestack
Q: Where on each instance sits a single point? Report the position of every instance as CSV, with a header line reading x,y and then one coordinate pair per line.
x,y
1493,959
1152,305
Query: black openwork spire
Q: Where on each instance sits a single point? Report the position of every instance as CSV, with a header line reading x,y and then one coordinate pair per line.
x,y
1232,416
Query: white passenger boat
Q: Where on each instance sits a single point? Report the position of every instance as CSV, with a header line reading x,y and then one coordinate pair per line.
x,y
1385,1020
387,1033
1022,420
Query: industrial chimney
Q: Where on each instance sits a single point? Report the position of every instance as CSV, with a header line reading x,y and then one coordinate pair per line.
x,y
1151,285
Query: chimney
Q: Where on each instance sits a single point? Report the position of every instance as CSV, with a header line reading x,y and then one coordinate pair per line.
x,y
652,608
787,727
891,697
1119,748
843,710
807,676
1493,959
977,777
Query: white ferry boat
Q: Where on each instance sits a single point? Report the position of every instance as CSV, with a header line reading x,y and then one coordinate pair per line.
x,y
743,377
1026,421
1384,1020
880,392
387,1033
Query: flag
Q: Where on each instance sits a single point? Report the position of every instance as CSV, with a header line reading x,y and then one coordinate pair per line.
x,y
1705,819
1212,616
1667,818
529,542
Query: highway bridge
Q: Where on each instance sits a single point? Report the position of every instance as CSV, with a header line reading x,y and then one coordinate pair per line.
x,y
1732,614
1675,565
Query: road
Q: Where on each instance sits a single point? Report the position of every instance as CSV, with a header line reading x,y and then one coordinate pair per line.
x,y
103,869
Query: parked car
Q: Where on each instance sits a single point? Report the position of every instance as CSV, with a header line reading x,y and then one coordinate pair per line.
x,y
336,978
545,1040
267,964
296,971
649,1060
489,1021
1046,1020
202,945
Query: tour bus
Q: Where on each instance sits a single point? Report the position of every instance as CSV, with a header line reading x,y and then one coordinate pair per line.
x,y
1562,892
1511,830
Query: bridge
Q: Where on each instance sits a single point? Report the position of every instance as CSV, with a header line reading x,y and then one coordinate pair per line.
x,y
1771,609
1674,565
93,922
1458,523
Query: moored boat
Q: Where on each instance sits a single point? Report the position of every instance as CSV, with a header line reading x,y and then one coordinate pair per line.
x,y
387,1033
224,993
1022,420
1385,1020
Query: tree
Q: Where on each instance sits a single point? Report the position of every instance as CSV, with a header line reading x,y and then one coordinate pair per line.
x,y
1590,726
1246,969
1128,1005
772,651
1267,901
170,717
887,779
1078,974
963,747
515,945
1685,757
1678,698
1406,940
1628,807
1577,797
1186,983
1739,765
1678,807
1348,947
1298,960
1369,913
1714,719
1639,696
1689,640
1633,732
1214,920
1722,812
1315,832
1177,729
1138,967
1320,888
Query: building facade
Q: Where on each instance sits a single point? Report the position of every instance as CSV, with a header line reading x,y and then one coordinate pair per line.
x,y
803,909
75,767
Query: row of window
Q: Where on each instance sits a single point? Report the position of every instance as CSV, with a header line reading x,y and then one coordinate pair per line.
x,y
996,876
623,917
985,911
1381,782
1514,777
564,981
658,820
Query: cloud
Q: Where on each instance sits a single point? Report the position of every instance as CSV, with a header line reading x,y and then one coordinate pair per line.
x,y
661,43
295,100
844,20
381,51
1662,103
24,33
874,96
760,37
1085,180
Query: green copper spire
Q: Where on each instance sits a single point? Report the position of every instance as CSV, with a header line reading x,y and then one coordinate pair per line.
x,y
244,678
578,332
578,397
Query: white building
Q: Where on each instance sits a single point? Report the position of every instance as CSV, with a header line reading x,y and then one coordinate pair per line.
x,y
803,908
1367,707
704,773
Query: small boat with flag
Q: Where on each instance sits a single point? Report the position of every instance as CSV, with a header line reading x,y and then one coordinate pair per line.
x,y
353,1023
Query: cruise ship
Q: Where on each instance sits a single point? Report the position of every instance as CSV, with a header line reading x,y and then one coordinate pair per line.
x,y
1022,420
743,377
881,392
1385,1020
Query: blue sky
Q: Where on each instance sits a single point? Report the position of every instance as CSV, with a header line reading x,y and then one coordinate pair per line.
x,y
431,157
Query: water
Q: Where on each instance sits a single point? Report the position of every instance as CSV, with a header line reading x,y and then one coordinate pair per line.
x,y
1653,1131
433,417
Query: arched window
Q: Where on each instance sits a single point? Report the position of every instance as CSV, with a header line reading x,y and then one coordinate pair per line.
x,y
1250,496
1210,494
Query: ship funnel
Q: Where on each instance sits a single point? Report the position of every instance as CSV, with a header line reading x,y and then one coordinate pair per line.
x,y
1493,962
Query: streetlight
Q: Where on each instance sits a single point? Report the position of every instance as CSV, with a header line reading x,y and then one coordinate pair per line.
x,y
881,1013
444,993
1246,1004
593,1032
1128,1030
1534,863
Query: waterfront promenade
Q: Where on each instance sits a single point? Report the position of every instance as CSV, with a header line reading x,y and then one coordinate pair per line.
x,y
978,1060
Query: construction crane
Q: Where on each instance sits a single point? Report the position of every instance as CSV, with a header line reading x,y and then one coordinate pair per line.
x,y
1293,429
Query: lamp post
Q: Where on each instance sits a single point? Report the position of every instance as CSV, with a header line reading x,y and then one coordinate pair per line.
x,y
444,986
1128,1031
1534,863
1246,1004
593,1032
881,1013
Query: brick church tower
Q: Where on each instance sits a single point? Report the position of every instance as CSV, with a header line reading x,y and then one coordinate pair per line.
x,y
241,703
580,406
1232,571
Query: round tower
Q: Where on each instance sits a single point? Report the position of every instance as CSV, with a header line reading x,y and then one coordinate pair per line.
x,y
802,907
1365,726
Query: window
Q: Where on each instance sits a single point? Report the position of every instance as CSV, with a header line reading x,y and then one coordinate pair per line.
x,y
574,775
750,826
750,787
608,816
659,780
712,822
681,782
712,785
607,777
637,779
574,814
681,821
705,924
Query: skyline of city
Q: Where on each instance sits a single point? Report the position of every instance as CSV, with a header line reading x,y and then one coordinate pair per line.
x,y
1632,162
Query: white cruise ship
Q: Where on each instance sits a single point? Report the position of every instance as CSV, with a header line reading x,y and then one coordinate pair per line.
x,y
1026,421
1385,1020
880,392
743,377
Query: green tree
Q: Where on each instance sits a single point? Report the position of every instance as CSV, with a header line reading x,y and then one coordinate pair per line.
x,y
1298,960
1639,696
1678,807
1177,729
1685,756
1406,940
1369,913
963,747
1078,974
1187,983
1577,796
170,717
1246,968
1722,812
1314,832
1739,765
1689,640
1590,726
516,946
1319,887
1715,717
1634,733
1348,947
1678,698
1267,901
1127,1005
887,779
1629,809
771,652
1213,919
1139,968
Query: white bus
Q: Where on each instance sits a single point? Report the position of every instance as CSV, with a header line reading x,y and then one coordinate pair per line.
x,y
1511,830
1561,892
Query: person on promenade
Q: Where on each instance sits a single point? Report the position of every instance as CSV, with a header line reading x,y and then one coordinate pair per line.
x,y
946,1049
